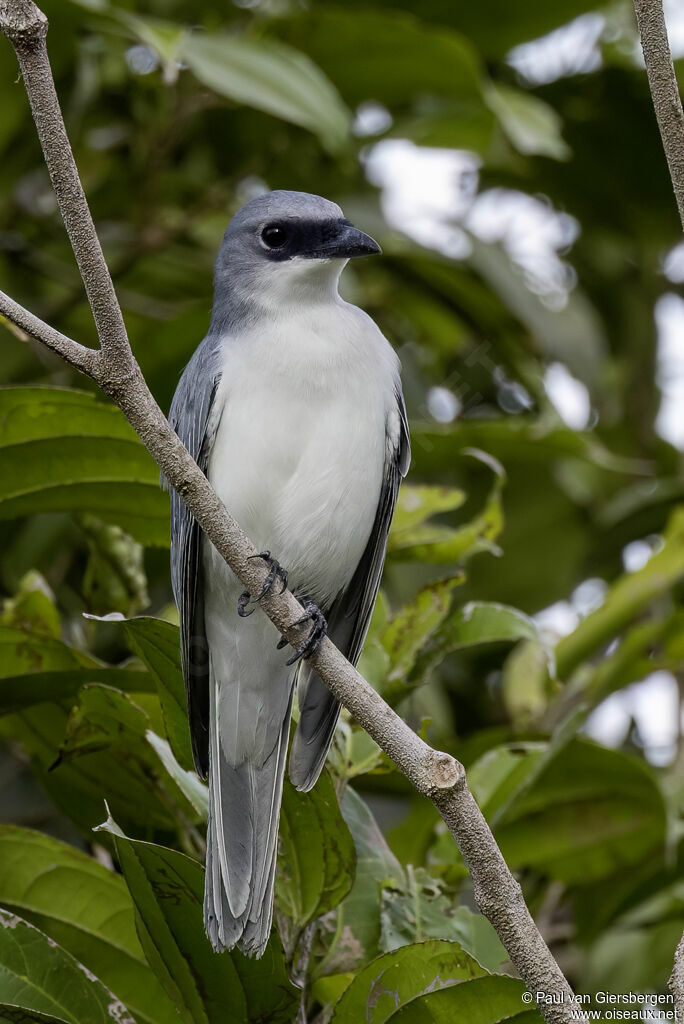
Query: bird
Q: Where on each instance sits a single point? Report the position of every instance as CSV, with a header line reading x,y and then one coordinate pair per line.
x,y
292,406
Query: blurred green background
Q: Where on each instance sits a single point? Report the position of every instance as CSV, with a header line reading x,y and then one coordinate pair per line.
x,y
507,159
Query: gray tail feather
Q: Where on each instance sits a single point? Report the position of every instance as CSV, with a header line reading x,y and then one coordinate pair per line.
x,y
318,714
242,847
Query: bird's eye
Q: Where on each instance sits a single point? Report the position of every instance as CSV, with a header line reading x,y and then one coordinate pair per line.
x,y
274,236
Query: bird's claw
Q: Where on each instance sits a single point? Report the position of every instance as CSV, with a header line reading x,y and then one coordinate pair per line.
x,y
275,572
319,629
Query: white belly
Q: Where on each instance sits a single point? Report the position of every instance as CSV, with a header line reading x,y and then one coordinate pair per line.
x,y
299,452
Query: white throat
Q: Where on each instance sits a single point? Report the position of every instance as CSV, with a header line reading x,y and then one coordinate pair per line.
x,y
298,283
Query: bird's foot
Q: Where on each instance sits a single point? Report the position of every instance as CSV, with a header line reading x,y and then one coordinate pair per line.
x,y
319,629
275,572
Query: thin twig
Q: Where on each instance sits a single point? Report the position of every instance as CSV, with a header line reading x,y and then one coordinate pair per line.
x,y
667,102
84,359
437,775
300,969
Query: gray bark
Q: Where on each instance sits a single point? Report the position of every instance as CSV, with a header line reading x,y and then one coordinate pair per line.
x,y
662,80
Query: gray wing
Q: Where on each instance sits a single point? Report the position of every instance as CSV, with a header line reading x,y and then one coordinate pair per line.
x,y
349,617
190,417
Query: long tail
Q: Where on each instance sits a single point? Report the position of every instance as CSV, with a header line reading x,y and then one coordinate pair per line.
x,y
242,842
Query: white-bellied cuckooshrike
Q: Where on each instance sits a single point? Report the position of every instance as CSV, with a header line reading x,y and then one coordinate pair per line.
x,y
292,406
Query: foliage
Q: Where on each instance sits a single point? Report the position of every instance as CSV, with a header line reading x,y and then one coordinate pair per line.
x,y
177,113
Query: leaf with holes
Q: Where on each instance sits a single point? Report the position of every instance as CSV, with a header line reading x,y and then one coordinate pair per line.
x,y
40,975
394,979
87,910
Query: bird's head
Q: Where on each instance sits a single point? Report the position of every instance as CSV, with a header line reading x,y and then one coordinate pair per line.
x,y
287,246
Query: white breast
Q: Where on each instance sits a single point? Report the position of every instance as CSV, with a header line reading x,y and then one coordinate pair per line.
x,y
300,446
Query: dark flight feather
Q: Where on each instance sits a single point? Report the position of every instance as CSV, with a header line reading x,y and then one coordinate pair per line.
x,y
190,417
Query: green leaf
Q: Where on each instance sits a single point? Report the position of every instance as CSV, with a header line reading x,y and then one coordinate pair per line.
x,y
317,860
532,126
638,947
157,643
78,786
208,988
355,924
354,752
36,668
20,1015
452,124
374,662
524,440
86,909
578,813
115,573
412,836
394,979
526,685
632,660
417,908
192,787
478,622
501,773
63,450
440,545
411,628
107,719
32,608
272,77
493,25
626,599
40,975
395,55
485,622
416,504
490,1000
102,718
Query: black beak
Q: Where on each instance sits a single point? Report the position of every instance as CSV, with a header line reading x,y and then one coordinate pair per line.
x,y
346,243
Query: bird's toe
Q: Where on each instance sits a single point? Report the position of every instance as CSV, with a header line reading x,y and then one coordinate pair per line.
x,y
243,600
319,629
275,572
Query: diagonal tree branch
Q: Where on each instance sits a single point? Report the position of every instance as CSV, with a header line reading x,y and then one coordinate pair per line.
x,y
436,775
664,90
